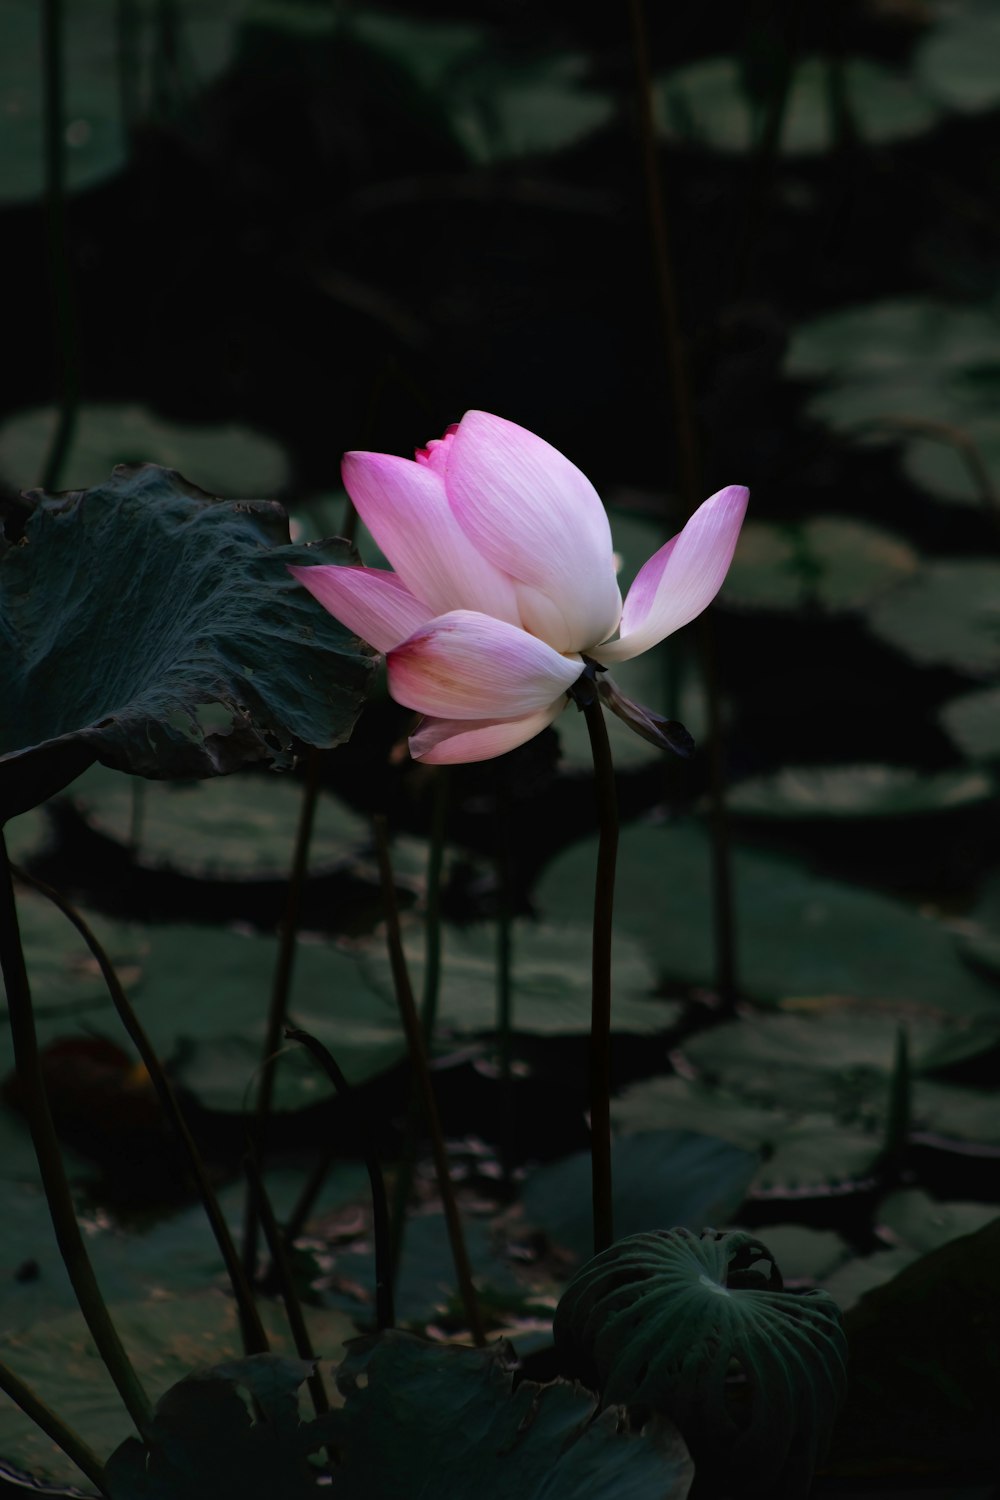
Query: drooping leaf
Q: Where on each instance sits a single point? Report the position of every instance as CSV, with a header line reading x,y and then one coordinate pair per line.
x,y
666,1319
800,936
427,1419
205,613
709,104
831,563
856,792
165,1336
659,1176
947,615
220,459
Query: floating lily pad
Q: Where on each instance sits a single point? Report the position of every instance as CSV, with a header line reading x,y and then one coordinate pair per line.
x,y
973,722
228,828
662,1178
807,1257
840,1060
205,612
948,615
708,103
950,1112
857,792
915,372
831,563
446,1421
166,1337
96,143
551,980
954,59
799,935
221,459
66,982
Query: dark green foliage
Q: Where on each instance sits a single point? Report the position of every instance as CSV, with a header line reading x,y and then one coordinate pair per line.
x,y
205,1441
445,1421
131,607
699,1328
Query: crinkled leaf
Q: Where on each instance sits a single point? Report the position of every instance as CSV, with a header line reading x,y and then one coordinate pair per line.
x,y
445,1421
131,606
666,1319
659,1177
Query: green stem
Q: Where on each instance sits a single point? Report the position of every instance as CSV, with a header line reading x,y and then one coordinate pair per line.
x,y
505,1008
286,1281
600,1025
384,1310
403,1185
418,1060
54,1427
53,1174
280,989
254,1337
55,202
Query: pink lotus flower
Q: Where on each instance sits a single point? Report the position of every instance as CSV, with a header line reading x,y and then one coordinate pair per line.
x,y
504,591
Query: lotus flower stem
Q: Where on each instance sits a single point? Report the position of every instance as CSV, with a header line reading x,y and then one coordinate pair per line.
x,y
286,1282
55,203
403,1184
280,988
254,1337
505,1011
54,1427
418,1059
600,1023
384,1310
53,1174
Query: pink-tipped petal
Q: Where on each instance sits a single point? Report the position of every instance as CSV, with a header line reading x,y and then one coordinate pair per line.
x,y
533,514
372,602
469,666
682,579
405,508
450,742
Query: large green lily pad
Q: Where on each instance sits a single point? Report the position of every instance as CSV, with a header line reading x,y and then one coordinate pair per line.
x,y
799,936
661,1178
947,615
204,612
551,980
857,792
708,103
426,1419
830,563
166,1337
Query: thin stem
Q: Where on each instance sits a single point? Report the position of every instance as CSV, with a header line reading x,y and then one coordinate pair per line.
x,y
505,1008
418,1060
403,1185
384,1311
286,1282
600,1024
280,989
254,1337
54,1427
50,1165
55,202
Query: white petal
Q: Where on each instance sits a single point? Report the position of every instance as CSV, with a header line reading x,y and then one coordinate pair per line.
x,y
533,514
682,579
449,742
465,665
372,602
405,508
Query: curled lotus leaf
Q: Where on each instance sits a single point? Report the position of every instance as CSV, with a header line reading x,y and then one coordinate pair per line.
x,y
699,1329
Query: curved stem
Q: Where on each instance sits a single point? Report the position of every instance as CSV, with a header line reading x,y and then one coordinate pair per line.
x,y
384,1311
600,1022
50,1164
254,1337
418,1060
54,1427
